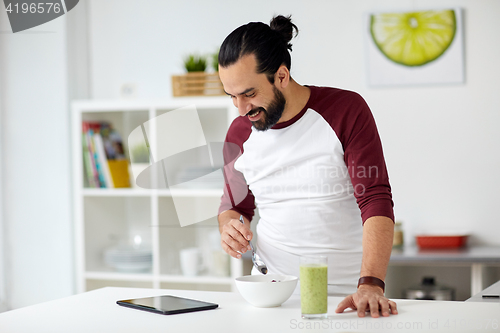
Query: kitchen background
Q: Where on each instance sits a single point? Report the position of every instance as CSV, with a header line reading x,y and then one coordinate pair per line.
x,y
441,142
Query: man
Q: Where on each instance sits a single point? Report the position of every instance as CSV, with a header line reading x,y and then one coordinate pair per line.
x,y
311,159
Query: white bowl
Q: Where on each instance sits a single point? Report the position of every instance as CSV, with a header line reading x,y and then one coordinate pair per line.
x,y
260,291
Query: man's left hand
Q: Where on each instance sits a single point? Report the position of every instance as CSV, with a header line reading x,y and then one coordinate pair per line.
x,y
368,298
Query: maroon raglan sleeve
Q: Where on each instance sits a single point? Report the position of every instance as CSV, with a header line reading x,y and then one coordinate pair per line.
x,y
237,195
355,126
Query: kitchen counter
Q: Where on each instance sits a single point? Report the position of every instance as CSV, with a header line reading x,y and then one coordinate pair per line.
x,y
494,289
97,311
476,257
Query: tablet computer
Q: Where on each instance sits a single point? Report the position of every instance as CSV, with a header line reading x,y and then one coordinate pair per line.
x,y
167,304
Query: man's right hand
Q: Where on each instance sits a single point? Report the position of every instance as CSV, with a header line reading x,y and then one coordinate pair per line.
x,y
234,234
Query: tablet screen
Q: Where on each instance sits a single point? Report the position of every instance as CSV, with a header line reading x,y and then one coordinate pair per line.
x,y
167,304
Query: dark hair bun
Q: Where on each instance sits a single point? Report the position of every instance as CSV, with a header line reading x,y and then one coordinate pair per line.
x,y
284,26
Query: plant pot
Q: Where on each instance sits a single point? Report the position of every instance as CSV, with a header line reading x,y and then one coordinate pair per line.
x,y
197,84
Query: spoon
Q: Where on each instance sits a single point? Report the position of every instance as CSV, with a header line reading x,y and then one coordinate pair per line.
x,y
257,262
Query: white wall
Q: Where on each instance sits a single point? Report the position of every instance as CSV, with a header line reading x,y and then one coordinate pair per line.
x,y
36,164
441,142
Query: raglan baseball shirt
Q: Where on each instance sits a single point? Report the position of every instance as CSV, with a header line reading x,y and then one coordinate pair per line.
x,y
315,179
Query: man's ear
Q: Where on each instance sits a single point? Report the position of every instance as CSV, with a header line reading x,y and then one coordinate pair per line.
x,y
282,77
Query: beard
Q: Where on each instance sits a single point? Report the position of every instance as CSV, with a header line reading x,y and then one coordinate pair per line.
x,y
272,114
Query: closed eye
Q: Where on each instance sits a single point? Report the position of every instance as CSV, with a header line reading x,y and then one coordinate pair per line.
x,y
248,93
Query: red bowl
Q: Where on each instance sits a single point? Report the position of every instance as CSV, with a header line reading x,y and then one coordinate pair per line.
x,y
429,241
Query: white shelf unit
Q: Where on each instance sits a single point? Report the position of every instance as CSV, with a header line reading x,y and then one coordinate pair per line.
x,y
104,217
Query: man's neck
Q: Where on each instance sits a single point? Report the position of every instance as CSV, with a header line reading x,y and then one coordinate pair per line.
x,y
296,98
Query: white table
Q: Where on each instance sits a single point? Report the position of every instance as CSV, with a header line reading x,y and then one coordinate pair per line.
x,y
96,311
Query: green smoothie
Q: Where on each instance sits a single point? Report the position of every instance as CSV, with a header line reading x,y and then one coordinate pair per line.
x,y
313,289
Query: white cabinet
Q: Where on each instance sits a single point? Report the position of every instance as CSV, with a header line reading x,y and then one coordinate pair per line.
x,y
107,217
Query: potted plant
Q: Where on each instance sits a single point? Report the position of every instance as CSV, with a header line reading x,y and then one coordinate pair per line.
x,y
195,63
139,161
196,82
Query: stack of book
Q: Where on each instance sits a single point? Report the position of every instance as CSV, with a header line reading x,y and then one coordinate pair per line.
x,y
104,161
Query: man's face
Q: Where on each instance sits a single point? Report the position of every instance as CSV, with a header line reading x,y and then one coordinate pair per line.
x,y
252,93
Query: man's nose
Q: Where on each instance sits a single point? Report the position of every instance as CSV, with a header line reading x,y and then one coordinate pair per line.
x,y
243,106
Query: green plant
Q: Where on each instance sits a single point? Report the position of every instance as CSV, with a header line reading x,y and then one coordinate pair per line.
x,y
195,63
139,154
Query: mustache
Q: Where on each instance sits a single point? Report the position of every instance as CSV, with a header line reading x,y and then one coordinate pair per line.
x,y
255,110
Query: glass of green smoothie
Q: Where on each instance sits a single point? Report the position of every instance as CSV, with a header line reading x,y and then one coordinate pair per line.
x,y
314,286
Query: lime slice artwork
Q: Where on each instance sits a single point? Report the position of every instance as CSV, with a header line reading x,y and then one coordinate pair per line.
x,y
413,38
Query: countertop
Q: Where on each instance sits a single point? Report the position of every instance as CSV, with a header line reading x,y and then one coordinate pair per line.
x,y
494,289
97,311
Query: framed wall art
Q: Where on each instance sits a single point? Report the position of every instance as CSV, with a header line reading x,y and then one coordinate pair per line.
x,y
415,48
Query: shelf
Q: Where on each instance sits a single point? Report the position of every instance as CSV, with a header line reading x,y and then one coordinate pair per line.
x,y
119,276
115,192
105,217
208,192
98,106
138,192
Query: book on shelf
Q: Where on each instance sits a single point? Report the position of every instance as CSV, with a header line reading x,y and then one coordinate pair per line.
x,y
104,162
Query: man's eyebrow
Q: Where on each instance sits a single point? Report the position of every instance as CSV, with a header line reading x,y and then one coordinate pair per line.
x,y
241,93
